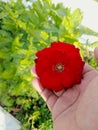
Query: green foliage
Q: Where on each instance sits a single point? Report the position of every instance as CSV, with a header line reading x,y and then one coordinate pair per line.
x,y
24,31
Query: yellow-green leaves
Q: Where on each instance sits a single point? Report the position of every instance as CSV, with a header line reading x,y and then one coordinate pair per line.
x,y
44,35
76,17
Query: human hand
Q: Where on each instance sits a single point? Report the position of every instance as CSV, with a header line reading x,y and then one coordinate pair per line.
x,y
75,108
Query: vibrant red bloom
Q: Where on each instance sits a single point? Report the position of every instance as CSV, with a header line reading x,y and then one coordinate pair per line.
x,y
59,66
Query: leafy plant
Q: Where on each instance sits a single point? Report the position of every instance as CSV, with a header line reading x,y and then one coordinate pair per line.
x,y
24,31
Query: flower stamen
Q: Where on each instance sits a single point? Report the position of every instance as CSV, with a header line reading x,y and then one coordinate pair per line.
x,y
59,67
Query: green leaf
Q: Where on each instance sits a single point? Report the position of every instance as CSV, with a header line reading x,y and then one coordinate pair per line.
x,y
55,17
66,22
8,74
94,44
44,35
3,14
3,33
5,40
6,100
87,31
60,9
4,54
21,24
76,17
39,10
2,88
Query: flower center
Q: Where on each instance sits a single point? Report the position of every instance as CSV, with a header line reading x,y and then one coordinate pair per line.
x,y
59,67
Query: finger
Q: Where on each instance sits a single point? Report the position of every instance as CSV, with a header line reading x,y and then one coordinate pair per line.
x,y
66,101
96,53
33,71
60,92
87,68
48,96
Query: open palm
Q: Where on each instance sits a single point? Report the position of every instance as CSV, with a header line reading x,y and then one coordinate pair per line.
x,y
75,108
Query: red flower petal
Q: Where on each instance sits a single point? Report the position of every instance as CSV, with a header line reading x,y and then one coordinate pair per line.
x,y
59,66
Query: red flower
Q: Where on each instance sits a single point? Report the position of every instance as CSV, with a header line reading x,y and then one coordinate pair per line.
x,y
59,66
